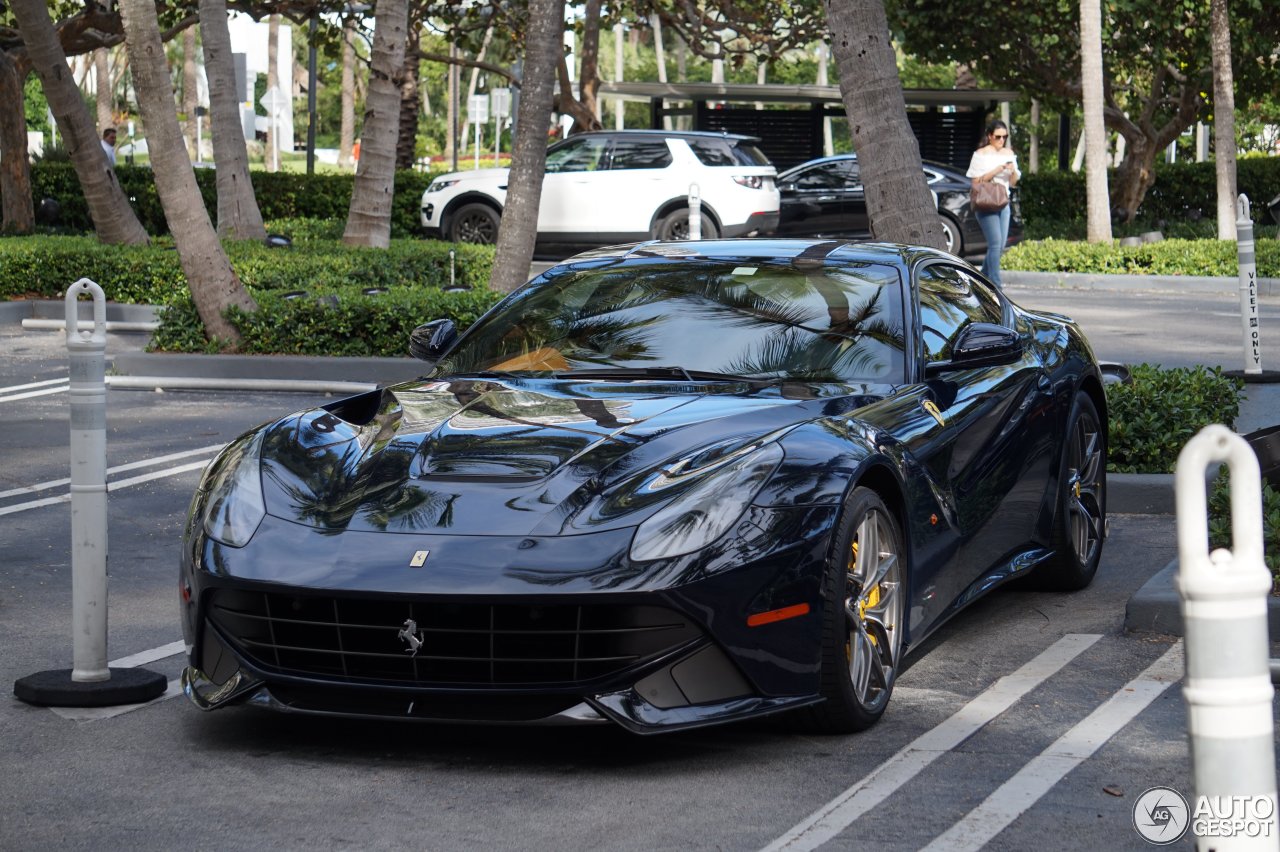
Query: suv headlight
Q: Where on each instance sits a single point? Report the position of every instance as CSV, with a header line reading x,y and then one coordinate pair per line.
x,y
437,185
709,507
233,507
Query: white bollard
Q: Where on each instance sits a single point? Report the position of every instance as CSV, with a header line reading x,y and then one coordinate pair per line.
x,y
87,351
1228,680
1247,261
695,212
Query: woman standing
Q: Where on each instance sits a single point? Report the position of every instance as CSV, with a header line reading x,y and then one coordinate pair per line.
x,y
995,161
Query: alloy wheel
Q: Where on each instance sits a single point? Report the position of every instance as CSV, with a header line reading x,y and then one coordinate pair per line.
x,y
873,608
1084,483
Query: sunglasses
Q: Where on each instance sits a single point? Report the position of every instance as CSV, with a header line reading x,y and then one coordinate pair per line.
x,y
999,135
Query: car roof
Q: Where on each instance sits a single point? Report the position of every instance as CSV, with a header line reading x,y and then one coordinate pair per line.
x,y
815,251
946,168
669,134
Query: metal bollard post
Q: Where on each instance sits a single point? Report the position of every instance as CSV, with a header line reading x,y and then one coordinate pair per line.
x,y
1250,333
695,212
1228,681
88,396
90,683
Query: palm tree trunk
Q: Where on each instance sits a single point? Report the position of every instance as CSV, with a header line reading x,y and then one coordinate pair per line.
x,y
238,215
214,284
273,82
347,133
410,102
898,201
1098,207
1224,118
103,89
369,217
15,174
543,39
190,92
113,218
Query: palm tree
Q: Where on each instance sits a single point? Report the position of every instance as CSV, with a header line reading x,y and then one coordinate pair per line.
x,y
369,217
238,215
1224,118
544,38
1095,131
15,174
898,201
113,219
214,284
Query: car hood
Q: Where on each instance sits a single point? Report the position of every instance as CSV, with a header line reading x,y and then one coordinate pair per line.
x,y
510,457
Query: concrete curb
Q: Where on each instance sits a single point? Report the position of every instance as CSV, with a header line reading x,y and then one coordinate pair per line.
x,y
1140,494
1268,288
55,309
1157,608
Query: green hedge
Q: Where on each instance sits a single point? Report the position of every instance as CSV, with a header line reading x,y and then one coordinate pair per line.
x,y
1166,257
1220,521
280,195
1053,203
341,321
43,267
1154,415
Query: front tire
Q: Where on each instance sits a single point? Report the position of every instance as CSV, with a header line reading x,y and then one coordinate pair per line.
x,y
675,226
864,603
475,223
1080,525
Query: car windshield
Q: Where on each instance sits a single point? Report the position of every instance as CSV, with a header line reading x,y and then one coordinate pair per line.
x,y
672,317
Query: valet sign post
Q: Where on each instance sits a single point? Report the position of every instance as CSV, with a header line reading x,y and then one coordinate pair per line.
x,y
478,113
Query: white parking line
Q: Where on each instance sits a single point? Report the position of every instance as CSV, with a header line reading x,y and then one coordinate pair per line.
x,y
151,655
29,385
838,814
120,468
35,393
113,485
1024,789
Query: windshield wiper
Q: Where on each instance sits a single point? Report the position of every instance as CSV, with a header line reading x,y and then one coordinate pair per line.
x,y
668,372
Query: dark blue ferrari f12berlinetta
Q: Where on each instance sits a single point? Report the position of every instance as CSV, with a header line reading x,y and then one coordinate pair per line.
x,y
661,485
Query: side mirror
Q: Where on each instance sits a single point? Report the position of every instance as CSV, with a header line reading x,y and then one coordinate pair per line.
x,y
429,341
981,344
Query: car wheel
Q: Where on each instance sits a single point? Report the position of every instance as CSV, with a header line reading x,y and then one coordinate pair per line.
x,y
864,599
1080,526
951,231
474,223
675,226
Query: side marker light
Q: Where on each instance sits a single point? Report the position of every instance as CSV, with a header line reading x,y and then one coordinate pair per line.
x,y
762,618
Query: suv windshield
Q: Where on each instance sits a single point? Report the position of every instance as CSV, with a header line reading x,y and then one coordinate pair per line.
x,y
756,319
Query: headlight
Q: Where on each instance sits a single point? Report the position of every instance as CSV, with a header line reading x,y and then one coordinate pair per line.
x,y
708,508
234,507
437,185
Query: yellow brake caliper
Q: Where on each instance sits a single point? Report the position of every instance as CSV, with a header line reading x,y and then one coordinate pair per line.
x,y
870,599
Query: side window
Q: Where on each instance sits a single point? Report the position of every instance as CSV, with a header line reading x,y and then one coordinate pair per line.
x,y
577,155
826,176
640,154
950,299
712,152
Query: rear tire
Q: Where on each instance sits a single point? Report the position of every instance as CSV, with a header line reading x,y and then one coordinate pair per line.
x,y
1080,525
675,226
951,231
474,223
864,601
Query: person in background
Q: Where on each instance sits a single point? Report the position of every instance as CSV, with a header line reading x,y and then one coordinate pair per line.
x,y
109,145
995,161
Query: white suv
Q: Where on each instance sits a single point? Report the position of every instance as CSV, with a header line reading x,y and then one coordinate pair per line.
x,y
619,186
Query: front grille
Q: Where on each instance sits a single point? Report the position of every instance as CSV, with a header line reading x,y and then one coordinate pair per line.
x,y
469,644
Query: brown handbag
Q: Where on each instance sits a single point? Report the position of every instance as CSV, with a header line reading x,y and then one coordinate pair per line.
x,y
987,196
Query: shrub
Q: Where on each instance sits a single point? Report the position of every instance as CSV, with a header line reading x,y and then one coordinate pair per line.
x,y
1167,257
44,266
1158,411
280,195
1220,520
343,321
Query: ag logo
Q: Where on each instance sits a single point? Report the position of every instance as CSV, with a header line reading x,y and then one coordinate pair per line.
x,y
1161,816
419,559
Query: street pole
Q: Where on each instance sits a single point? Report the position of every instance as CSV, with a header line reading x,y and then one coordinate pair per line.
x,y
311,97
1248,272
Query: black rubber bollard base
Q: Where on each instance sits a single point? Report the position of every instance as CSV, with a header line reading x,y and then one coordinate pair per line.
x,y
1266,377
55,688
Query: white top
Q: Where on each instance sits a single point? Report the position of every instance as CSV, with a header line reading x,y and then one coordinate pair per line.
x,y
109,150
983,163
